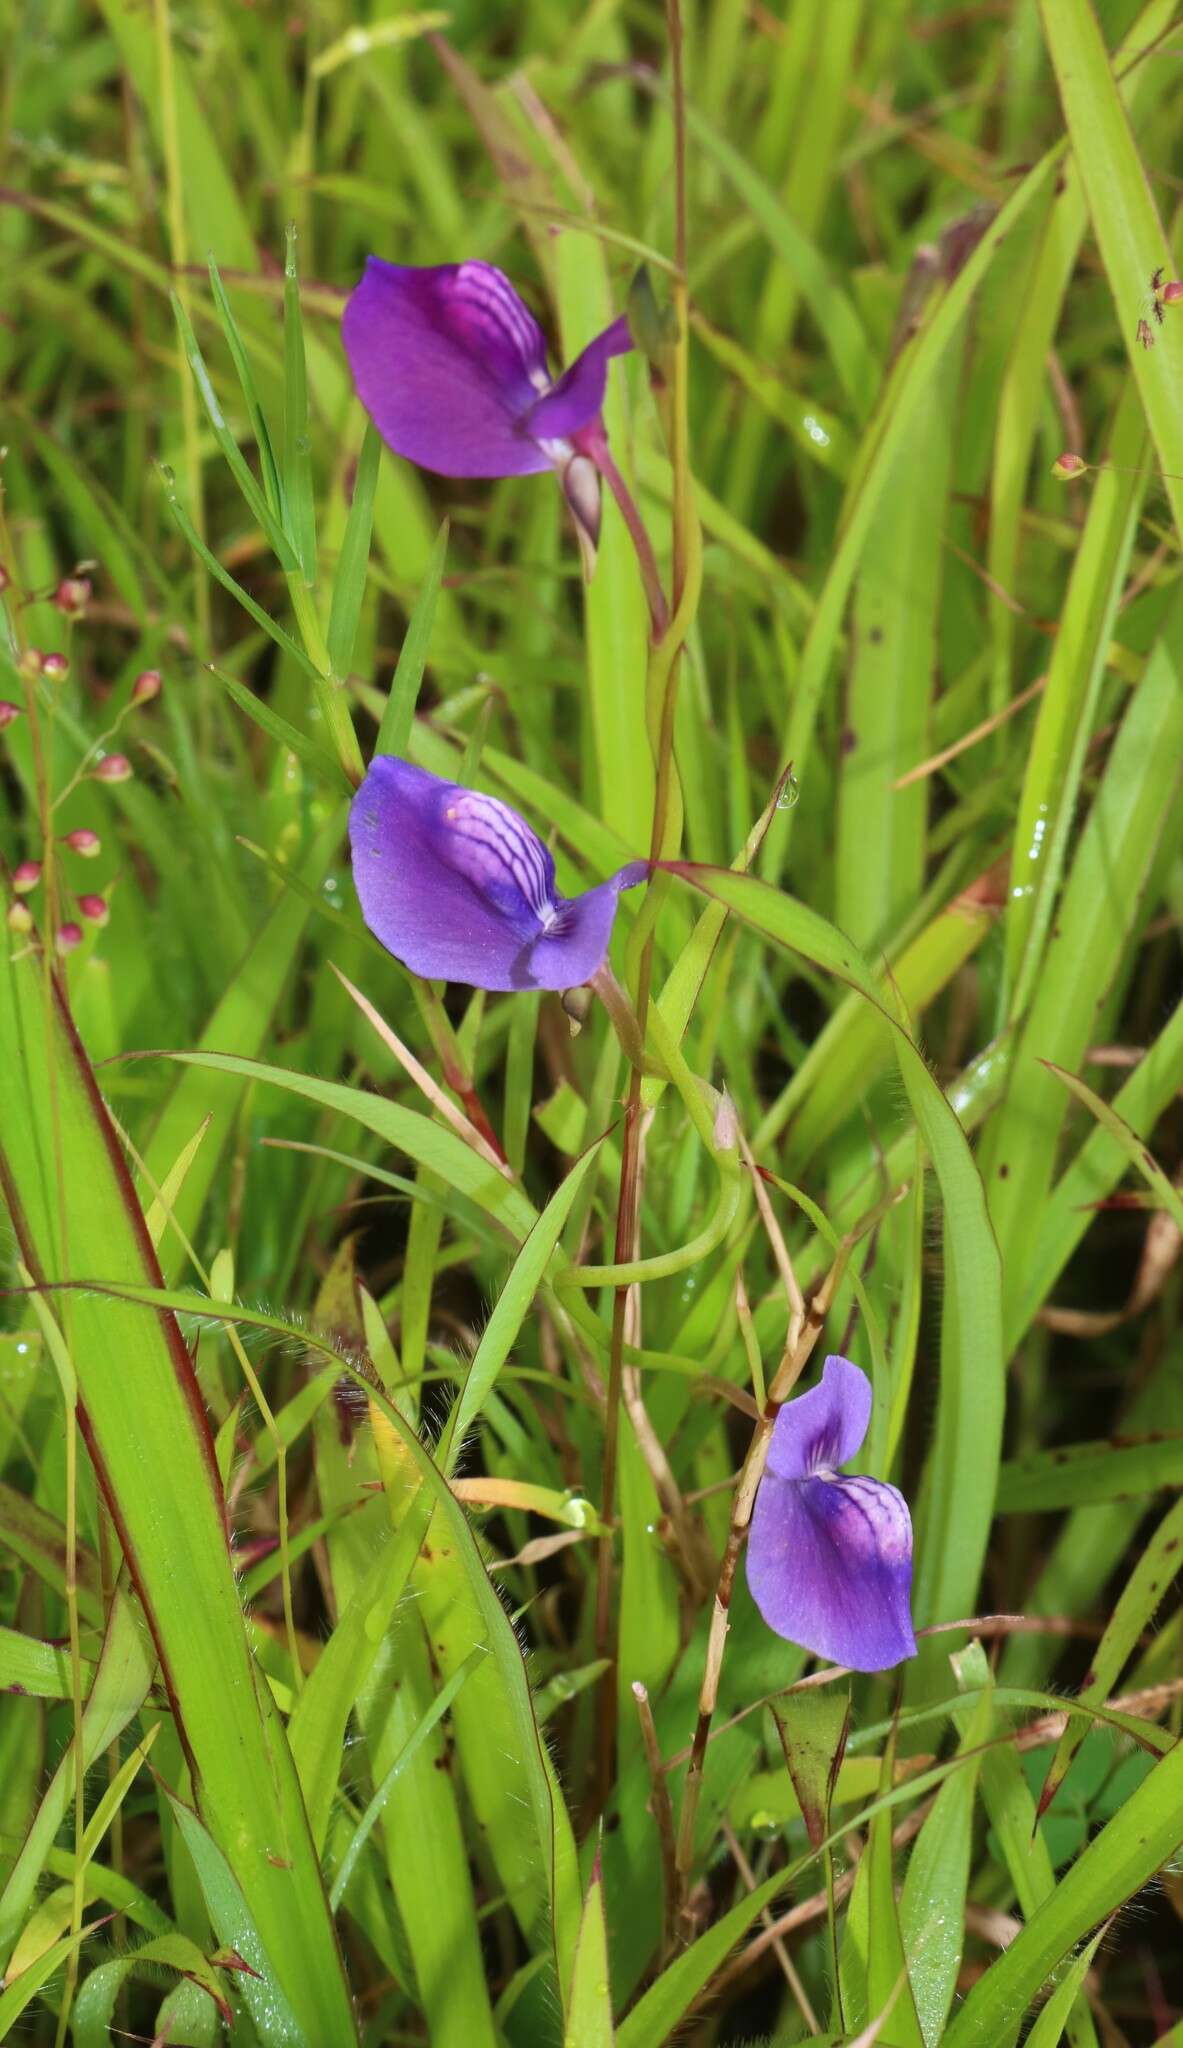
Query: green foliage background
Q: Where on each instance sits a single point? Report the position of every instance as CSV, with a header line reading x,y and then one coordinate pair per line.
x,y
378,1773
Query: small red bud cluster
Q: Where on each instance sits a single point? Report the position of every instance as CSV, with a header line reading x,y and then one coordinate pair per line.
x,y
69,936
8,712
112,768
146,686
25,876
72,595
55,668
83,841
95,908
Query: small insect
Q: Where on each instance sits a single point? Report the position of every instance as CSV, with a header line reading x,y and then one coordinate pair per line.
x,y
1160,295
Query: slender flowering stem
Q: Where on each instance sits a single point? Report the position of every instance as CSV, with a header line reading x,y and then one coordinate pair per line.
x,y
663,1815
624,1020
661,689
597,447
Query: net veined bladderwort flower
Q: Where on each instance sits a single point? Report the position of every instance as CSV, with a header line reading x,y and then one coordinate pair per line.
x,y
459,888
451,367
829,1558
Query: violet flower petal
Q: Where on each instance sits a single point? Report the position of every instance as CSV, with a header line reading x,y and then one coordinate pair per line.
x,y
577,943
829,1559
826,1426
446,361
830,1567
575,400
460,888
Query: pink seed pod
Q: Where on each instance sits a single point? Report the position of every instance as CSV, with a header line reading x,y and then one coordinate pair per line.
x,y
25,876
8,712
95,908
1069,465
83,841
69,936
112,768
5,579
1171,295
146,686
72,595
20,917
55,668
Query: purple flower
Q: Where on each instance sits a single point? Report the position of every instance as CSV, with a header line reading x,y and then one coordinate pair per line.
x,y
459,888
830,1557
451,367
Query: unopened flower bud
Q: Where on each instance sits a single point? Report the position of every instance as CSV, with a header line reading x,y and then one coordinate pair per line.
x,y
1171,295
31,662
25,876
8,712
112,768
72,595
20,917
95,908
55,668
1069,465
726,1124
581,488
146,686
68,937
83,841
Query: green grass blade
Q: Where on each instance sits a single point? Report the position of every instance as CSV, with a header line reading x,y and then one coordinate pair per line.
x,y
1083,1475
256,500
1125,220
398,715
316,1727
513,1306
1128,1853
1101,907
589,2007
150,1446
297,446
1136,1607
349,582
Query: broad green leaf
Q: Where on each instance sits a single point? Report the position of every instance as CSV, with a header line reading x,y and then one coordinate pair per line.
x,y
932,1901
94,2008
589,2007
813,1727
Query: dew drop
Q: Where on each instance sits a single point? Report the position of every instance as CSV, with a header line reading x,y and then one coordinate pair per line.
x,y
789,794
